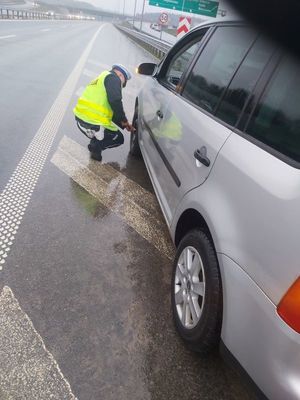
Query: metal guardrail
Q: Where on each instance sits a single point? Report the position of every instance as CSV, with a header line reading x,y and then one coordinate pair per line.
x,y
23,14
155,46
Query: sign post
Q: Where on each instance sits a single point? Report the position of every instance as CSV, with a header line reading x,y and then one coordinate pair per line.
x,y
134,12
163,20
142,15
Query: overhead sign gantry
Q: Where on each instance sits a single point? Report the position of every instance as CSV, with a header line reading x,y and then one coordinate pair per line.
x,y
202,7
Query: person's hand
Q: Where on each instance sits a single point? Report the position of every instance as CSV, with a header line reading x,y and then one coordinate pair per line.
x,y
128,126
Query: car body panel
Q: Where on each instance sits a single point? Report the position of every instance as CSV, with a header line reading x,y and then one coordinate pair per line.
x,y
257,220
250,204
184,130
249,200
264,345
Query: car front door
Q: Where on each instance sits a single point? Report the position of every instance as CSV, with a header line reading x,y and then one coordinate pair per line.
x,y
154,101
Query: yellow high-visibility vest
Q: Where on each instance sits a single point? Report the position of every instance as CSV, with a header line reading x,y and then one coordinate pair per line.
x,y
93,106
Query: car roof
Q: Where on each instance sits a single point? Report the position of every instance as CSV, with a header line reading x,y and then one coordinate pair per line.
x,y
219,21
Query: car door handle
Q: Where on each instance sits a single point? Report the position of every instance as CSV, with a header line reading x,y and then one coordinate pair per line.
x,y
201,156
159,114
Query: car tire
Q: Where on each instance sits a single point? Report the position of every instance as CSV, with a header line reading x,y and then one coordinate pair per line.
x,y
134,141
196,295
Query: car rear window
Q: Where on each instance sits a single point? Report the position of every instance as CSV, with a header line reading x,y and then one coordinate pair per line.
x,y
276,120
244,81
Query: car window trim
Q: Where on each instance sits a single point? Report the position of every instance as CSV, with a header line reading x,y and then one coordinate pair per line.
x,y
205,38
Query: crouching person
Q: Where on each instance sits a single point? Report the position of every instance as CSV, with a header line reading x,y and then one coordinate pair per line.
x,y
100,109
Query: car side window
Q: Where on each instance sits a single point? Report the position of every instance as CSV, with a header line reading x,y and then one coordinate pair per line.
x,y
243,83
216,66
174,67
276,120
179,64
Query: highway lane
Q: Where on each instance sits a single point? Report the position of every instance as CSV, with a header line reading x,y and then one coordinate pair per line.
x,y
25,27
89,265
34,64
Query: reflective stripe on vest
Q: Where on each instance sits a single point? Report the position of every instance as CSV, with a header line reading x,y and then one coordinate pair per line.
x,y
93,106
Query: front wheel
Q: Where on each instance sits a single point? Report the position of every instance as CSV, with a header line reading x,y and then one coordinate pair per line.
x,y
134,142
197,292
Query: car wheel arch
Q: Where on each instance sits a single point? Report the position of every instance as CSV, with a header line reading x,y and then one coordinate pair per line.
x,y
190,219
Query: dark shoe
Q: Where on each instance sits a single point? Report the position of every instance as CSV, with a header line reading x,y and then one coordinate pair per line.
x,y
96,156
94,146
93,149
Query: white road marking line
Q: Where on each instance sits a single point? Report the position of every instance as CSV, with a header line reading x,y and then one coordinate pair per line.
x,y
45,30
90,74
99,64
27,369
17,193
80,91
136,206
8,36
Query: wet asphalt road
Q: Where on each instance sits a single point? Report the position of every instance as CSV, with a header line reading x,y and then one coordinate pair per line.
x,y
84,269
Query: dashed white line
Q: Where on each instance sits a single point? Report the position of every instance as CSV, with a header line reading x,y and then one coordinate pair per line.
x,y
99,64
7,37
17,193
45,30
80,91
90,74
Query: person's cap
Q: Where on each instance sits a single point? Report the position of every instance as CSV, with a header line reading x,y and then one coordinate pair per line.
x,y
123,70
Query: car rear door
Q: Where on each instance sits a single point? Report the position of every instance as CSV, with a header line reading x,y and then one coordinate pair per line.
x,y
193,131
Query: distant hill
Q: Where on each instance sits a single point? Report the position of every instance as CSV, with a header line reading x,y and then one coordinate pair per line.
x,y
69,3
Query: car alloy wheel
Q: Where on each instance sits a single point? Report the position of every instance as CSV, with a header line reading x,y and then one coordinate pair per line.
x,y
189,287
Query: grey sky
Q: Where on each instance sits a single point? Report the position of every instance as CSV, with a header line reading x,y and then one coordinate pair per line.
x,y
117,6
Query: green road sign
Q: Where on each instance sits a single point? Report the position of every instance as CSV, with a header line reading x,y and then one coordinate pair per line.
x,y
203,7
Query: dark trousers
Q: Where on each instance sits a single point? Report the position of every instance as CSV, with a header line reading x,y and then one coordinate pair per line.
x,y
111,139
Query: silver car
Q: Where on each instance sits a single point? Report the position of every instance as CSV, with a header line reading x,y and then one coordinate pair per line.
x,y
218,126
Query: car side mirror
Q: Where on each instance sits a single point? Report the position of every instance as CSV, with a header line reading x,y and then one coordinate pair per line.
x,y
146,69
